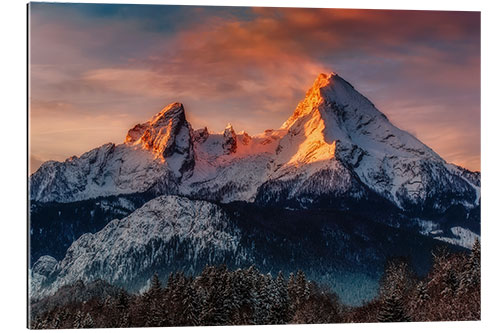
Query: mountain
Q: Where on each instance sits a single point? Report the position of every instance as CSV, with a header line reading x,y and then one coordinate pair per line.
x,y
337,150
171,233
164,232
337,145
156,155
336,191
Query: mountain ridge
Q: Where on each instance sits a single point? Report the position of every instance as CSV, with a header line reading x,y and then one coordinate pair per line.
x,y
336,145
170,233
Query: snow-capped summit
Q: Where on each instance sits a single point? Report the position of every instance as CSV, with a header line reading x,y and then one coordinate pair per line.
x,y
333,111
337,138
312,99
169,136
155,156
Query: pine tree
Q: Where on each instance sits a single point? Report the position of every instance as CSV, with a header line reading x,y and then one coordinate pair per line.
x,y
392,310
37,323
57,320
470,277
209,311
213,281
88,321
190,304
263,300
422,293
155,284
252,277
229,300
397,279
292,294
451,281
155,315
419,302
475,254
125,320
77,322
281,307
302,286
46,323
122,303
243,302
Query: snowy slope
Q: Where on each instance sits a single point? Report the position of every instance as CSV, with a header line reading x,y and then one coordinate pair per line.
x,y
226,175
461,237
167,232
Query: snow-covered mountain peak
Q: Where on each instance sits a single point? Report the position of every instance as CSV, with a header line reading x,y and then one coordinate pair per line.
x,y
333,111
166,134
160,124
312,99
335,127
332,90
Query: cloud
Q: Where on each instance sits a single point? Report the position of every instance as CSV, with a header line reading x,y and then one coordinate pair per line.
x,y
251,66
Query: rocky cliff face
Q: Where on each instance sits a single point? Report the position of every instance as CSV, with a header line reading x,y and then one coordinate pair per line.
x,y
230,143
168,136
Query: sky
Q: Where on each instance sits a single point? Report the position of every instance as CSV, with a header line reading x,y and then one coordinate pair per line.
x,y
97,70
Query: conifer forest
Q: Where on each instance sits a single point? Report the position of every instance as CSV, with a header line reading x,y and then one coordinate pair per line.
x,y
218,296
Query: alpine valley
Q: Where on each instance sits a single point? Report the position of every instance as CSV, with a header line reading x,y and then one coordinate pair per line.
x,y
335,191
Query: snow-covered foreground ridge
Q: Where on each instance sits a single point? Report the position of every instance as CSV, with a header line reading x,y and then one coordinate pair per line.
x,y
128,251
336,144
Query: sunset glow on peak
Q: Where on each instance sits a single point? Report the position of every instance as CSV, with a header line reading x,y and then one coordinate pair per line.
x,y
169,111
312,99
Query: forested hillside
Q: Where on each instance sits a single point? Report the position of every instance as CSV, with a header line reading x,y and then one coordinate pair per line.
x,y
451,291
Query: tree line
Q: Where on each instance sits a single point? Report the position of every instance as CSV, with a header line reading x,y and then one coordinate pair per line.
x,y
217,296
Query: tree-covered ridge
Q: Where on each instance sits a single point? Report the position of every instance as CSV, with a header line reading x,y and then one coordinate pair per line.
x,y
451,291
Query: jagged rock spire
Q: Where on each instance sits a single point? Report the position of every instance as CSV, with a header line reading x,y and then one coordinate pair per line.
x,y
166,134
230,143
